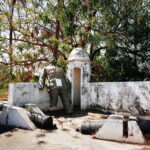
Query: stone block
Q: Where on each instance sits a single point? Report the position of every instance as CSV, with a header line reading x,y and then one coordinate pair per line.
x,y
113,130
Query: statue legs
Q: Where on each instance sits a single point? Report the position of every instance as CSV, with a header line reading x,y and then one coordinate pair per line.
x,y
65,98
53,97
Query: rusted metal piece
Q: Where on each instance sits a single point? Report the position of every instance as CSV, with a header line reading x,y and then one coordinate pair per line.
x,y
1,106
39,118
144,126
90,127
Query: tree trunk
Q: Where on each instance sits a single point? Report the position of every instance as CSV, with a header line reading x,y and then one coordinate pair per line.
x,y
11,39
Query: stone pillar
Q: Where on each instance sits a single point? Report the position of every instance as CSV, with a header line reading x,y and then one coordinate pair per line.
x,y
79,72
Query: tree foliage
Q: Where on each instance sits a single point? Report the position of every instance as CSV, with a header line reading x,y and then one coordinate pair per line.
x,y
116,32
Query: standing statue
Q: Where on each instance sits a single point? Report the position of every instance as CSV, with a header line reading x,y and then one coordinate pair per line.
x,y
55,80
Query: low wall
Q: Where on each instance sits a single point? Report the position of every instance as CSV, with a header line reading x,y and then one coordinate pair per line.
x,y
132,97
23,93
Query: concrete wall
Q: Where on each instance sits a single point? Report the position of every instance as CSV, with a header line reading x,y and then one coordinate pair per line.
x,y
23,93
132,97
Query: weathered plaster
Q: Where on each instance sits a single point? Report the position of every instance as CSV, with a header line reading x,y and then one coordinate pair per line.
x,y
80,59
132,97
24,93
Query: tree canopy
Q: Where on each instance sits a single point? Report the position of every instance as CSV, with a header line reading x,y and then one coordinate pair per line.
x,y
115,33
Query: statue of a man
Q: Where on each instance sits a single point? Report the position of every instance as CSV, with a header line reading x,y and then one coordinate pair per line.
x,y
55,80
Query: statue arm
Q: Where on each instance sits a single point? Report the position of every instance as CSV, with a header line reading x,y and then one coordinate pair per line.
x,y
42,79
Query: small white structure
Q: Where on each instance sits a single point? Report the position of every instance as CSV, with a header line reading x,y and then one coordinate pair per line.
x,y
79,72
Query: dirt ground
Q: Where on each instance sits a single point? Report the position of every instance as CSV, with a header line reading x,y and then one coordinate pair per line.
x,y
3,97
63,138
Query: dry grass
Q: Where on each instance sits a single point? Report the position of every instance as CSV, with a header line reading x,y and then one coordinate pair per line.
x,y
4,97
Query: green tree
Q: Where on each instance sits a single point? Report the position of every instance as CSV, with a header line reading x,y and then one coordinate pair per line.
x,y
116,32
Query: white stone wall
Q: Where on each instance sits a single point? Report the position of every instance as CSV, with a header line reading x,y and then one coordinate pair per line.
x,y
132,97
24,93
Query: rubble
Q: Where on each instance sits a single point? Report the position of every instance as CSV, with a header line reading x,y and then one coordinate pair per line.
x,y
16,117
29,118
39,118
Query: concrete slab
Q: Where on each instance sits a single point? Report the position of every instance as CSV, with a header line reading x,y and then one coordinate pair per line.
x,y
113,129
16,117
134,133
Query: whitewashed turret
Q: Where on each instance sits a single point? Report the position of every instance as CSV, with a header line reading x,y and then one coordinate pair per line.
x,y
79,72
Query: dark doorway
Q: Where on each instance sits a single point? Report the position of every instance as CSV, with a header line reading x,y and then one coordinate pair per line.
x,y
77,88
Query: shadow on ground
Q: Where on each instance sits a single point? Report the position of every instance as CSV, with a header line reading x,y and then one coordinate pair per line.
x,y
76,113
4,129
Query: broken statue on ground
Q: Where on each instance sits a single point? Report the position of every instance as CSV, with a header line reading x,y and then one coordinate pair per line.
x,y
28,118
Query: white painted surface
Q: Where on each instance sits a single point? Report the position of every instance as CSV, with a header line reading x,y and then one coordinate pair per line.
x,y
79,58
132,97
24,93
113,130
16,117
134,133
78,54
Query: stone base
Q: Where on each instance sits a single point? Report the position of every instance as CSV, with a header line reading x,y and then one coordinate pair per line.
x,y
113,130
16,117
